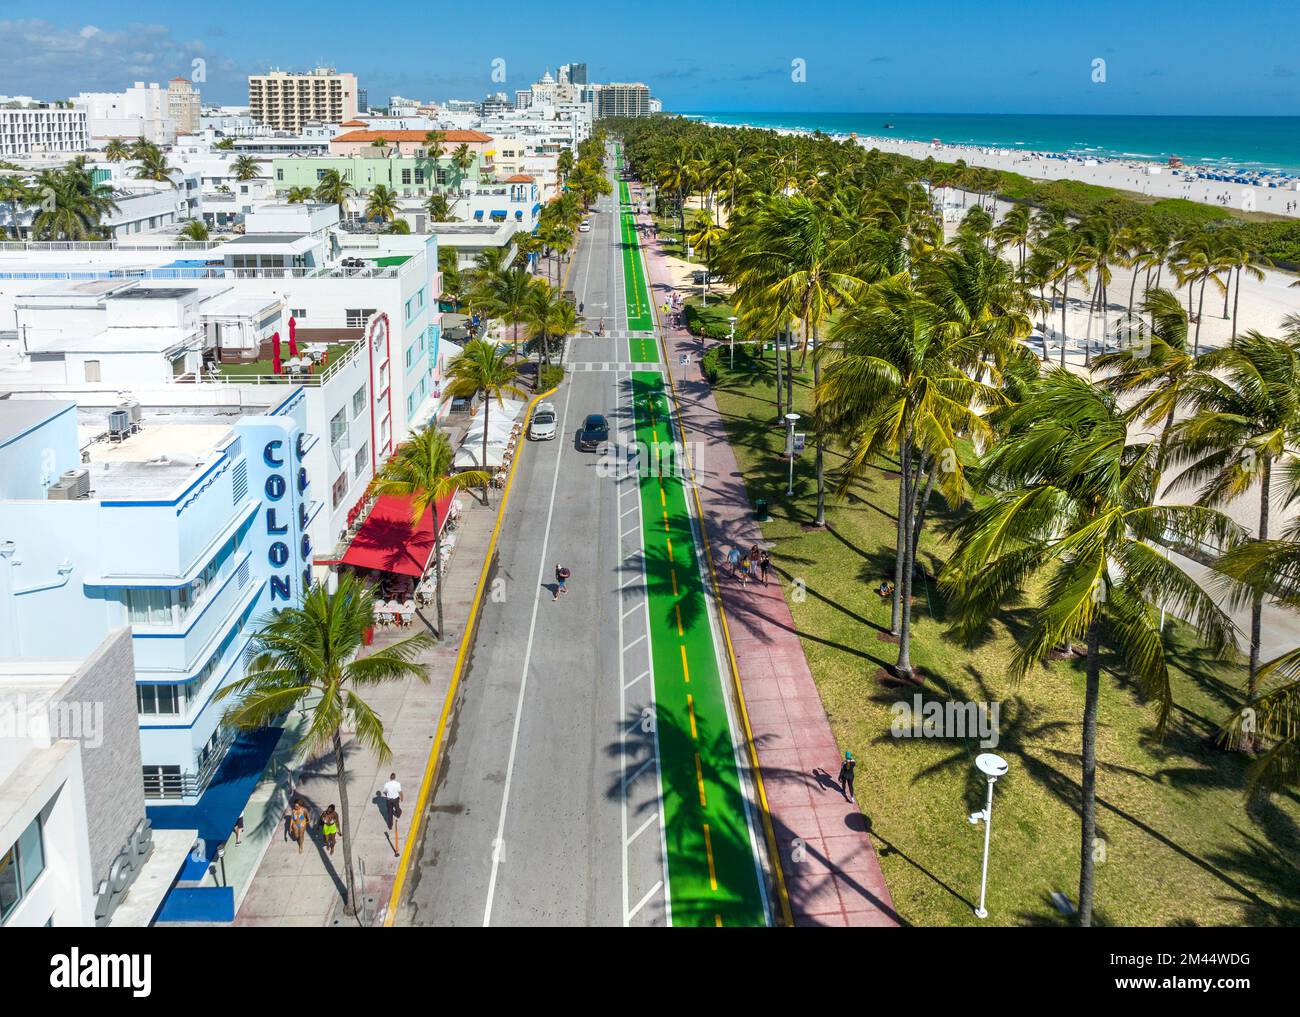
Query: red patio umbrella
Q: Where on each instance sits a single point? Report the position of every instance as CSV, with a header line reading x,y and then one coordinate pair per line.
x,y
275,353
293,337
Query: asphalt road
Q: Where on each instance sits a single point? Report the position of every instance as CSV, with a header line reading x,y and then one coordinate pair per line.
x,y
548,808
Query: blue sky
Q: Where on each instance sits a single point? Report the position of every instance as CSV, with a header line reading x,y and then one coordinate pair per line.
x,y
1010,56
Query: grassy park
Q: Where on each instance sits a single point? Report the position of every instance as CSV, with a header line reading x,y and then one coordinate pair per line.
x,y
1180,843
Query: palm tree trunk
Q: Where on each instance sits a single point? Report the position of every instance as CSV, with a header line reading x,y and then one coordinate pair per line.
x,y
345,827
437,569
484,464
919,522
776,357
1236,297
904,469
1257,599
1088,784
821,466
1065,299
912,485
1200,310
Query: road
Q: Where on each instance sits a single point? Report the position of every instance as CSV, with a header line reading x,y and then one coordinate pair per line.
x,y
567,796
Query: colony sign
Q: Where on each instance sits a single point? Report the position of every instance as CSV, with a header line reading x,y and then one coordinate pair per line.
x,y
277,524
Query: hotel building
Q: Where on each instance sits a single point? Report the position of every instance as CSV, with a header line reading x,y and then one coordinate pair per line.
x,y
288,101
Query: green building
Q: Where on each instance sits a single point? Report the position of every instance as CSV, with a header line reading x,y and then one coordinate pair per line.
x,y
408,176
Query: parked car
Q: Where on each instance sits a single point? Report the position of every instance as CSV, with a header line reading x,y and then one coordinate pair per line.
x,y
542,426
585,226
594,433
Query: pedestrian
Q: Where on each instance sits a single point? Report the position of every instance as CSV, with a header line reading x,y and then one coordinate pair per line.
x,y
561,580
392,792
846,776
299,819
239,828
745,566
581,305
764,565
733,559
329,827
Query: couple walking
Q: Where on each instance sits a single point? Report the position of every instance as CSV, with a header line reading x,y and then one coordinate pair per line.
x,y
299,821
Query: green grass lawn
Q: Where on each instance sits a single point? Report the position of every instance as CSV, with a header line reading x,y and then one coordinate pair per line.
x,y
256,367
1181,844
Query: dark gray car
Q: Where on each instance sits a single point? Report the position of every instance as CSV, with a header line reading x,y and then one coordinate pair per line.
x,y
594,433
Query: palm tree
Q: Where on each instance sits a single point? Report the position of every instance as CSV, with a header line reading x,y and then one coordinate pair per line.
x,y
71,203
300,195
311,652
707,236
1245,406
245,168
15,193
481,370
462,159
153,166
141,149
116,151
381,203
1013,231
420,469
548,316
897,382
1068,526
1068,251
224,145
438,209
332,189
434,147
195,229
506,294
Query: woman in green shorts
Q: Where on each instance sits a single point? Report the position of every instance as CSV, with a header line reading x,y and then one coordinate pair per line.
x,y
329,827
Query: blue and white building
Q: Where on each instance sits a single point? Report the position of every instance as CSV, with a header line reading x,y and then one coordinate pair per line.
x,y
190,529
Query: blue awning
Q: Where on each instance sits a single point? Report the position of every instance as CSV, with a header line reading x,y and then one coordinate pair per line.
x,y
478,214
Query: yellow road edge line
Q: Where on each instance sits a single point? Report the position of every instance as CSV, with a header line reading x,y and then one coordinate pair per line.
x,y
708,850
769,831
430,770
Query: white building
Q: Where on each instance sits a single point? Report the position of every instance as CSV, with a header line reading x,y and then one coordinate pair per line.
x,y
288,101
36,129
184,105
139,112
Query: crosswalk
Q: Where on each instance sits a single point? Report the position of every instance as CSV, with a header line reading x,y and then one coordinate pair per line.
x,y
622,333
621,367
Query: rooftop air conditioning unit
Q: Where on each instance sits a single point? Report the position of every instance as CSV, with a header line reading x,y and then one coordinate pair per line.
x,y
132,407
61,490
119,422
80,481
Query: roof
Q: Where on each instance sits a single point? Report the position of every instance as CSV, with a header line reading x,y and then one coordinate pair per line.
x,y
353,123
18,416
388,542
455,137
520,178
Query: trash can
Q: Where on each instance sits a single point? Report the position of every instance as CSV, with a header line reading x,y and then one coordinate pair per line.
x,y
760,509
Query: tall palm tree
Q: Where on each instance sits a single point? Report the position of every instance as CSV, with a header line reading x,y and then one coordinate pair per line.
x,y
1245,422
708,236
195,229
462,159
420,469
548,316
71,203
434,147
332,189
312,652
438,208
153,166
300,195
116,151
381,203
245,168
1013,231
1068,525
15,193
481,370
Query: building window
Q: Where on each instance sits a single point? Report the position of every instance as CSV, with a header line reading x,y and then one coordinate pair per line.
x,y
358,402
362,459
20,867
338,425
355,317
92,370
406,176
298,312
340,488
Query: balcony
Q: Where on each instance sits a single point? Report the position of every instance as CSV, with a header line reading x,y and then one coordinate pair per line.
x,y
261,372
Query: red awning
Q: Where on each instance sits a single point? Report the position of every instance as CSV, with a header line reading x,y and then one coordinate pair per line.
x,y
388,542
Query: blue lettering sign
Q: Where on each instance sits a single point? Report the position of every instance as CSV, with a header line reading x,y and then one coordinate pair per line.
x,y
302,515
278,554
275,487
302,479
279,588
306,546
272,526
269,455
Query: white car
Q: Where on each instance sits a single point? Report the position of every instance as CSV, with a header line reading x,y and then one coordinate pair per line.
x,y
542,426
585,226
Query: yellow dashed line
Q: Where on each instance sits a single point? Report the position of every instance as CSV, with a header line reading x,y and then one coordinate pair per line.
x,y
663,498
677,610
717,921
699,779
670,548
686,671
708,847
690,709
673,574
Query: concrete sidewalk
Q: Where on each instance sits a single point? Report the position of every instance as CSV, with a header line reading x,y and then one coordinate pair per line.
x,y
830,867
288,888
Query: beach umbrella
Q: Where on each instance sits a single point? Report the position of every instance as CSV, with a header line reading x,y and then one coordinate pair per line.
x,y
275,353
293,336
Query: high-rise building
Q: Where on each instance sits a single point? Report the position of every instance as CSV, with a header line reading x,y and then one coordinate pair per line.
x,y
523,98
363,101
26,130
287,101
184,105
577,74
623,99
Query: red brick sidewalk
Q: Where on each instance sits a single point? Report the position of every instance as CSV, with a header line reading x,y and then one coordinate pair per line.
x,y
831,871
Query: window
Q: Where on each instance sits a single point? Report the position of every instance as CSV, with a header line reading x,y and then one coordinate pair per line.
x,y
19,868
320,174
92,370
410,350
338,426
279,174
358,402
362,459
419,176
340,488
148,606
355,317
298,312
406,176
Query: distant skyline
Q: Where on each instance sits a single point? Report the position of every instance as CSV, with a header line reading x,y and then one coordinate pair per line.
x,y
1004,56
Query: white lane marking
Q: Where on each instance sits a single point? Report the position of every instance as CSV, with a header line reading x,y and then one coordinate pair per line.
x,y
638,639
644,766
523,682
629,611
622,696
642,829
643,674
644,901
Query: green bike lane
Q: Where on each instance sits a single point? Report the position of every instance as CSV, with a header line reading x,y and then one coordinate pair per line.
x,y
712,861
640,315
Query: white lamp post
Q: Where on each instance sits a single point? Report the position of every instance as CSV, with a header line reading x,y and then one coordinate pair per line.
x,y
732,340
791,419
993,767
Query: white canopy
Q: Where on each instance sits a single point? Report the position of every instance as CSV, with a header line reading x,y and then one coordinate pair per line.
x,y
469,454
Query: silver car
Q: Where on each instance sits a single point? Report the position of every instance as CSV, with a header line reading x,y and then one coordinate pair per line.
x,y
542,426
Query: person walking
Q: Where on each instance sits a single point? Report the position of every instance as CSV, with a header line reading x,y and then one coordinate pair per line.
x,y
764,565
329,827
299,819
846,776
393,797
561,581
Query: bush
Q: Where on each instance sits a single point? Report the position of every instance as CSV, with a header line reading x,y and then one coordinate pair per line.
x,y
551,376
710,322
711,366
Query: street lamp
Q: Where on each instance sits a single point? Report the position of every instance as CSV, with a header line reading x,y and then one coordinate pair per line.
x,y
732,339
791,419
993,767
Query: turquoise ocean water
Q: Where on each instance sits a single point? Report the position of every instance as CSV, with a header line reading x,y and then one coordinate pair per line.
x,y
1248,143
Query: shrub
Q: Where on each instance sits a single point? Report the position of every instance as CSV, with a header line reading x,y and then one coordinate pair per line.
x,y
551,376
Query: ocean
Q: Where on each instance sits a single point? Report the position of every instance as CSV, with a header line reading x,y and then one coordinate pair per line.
x,y
1248,143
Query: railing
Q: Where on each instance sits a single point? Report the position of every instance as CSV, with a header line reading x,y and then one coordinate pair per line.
x,y
104,245
183,272
286,378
